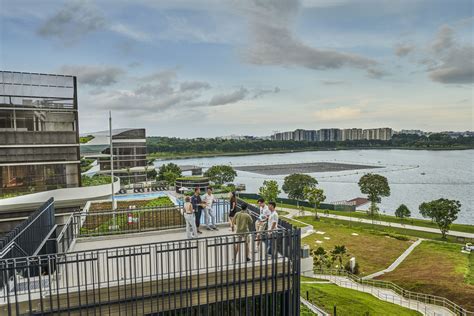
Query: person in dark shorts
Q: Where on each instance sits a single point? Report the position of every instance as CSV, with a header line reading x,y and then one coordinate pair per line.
x,y
233,209
197,206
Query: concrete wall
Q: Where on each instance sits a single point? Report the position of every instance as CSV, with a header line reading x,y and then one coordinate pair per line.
x,y
71,197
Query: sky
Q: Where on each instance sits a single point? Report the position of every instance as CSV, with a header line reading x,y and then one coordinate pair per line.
x,y
205,68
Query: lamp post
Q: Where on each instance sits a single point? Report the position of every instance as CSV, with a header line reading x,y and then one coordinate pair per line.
x,y
114,203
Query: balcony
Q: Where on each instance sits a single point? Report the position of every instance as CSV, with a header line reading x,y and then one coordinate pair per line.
x,y
156,270
38,138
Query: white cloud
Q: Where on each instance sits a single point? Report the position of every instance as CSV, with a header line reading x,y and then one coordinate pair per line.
x,y
273,42
78,18
93,75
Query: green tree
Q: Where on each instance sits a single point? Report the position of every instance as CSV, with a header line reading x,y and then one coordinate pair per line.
x,y
402,212
375,186
442,211
171,167
295,184
221,174
152,174
338,254
170,178
270,190
314,196
320,259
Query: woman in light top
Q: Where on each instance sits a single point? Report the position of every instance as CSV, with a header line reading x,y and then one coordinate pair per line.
x,y
191,230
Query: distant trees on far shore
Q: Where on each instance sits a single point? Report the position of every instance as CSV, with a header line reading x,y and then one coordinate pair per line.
x,y
210,145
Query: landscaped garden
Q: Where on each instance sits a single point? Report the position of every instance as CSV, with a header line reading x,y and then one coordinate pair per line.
x,y
374,250
96,179
379,217
136,215
437,268
350,302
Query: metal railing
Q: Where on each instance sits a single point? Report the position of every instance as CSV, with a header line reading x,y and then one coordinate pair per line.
x,y
29,234
67,235
401,292
141,219
193,277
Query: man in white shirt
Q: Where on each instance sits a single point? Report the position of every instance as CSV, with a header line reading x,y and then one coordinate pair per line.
x,y
272,227
261,222
209,212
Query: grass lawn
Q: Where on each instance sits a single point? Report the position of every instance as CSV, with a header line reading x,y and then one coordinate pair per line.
x,y
387,218
381,229
304,311
350,302
470,274
373,250
437,268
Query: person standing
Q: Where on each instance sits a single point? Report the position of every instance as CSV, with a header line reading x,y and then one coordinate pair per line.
x,y
191,230
209,212
233,209
262,220
272,227
197,206
243,222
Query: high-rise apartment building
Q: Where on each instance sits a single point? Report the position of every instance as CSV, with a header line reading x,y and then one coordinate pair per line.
x,y
39,139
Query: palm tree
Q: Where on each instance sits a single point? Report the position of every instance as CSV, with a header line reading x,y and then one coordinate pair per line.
x,y
320,258
338,254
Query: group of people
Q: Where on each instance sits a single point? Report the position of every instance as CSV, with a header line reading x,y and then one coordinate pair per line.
x,y
193,209
239,221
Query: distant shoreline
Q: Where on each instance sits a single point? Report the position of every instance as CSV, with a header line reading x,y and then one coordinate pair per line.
x,y
174,156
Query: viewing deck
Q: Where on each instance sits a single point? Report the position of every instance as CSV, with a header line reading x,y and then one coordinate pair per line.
x,y
156,271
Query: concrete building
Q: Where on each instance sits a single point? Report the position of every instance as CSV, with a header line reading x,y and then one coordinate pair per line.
x,y
39,139
351,134
384,133
130,163
330,135
144,265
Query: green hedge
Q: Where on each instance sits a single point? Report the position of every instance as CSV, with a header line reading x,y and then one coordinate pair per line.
x,y
323,206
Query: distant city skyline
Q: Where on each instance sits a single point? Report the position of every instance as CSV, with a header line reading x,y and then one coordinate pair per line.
x,y
211,68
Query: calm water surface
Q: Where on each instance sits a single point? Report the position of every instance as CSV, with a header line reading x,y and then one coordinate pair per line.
x,y
414,176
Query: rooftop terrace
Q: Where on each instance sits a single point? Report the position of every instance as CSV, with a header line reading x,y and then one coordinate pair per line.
x,y
154,269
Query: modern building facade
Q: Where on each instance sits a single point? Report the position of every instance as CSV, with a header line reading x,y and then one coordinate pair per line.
x,y
129,151
39,139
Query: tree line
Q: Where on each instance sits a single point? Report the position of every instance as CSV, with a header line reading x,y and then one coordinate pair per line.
x,y
209,145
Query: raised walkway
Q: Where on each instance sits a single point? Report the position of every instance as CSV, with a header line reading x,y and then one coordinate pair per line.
x,y
387,295
293,212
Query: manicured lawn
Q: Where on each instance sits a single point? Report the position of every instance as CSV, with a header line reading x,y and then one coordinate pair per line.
x,y
470,274
350,302
437,268
387,218
373,250
304,311
382,229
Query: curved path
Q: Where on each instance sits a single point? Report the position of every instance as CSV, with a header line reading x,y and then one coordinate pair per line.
x,y
397,262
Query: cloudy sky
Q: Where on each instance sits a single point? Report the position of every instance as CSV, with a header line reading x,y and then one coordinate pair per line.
x,y
219,67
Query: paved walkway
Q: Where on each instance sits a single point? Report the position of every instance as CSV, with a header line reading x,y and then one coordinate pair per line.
x,y
388,296
397,262
293,213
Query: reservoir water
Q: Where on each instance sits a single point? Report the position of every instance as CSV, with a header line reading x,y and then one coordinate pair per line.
x,y
414,176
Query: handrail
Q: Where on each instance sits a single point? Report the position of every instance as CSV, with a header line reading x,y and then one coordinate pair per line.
x,y
421,297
